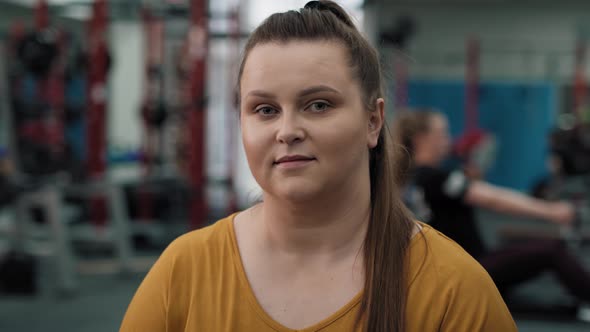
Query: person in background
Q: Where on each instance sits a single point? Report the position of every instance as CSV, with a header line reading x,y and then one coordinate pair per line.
x,y
331,246
446,199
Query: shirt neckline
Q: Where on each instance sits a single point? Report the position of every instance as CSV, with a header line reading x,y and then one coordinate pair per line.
x,y
237,258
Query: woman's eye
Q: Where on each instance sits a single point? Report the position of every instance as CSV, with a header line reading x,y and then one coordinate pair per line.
x,y
319,106
266,111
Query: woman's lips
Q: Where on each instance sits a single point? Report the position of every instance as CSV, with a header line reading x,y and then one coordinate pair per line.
x,y
293,161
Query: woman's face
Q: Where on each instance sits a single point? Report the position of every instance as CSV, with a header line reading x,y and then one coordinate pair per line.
x,y
305,129
437,140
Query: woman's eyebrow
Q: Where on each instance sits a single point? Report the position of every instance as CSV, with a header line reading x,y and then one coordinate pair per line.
x,y
316,89
302,93
260,93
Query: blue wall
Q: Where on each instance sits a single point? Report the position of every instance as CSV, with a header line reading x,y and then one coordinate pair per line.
x,y
519,114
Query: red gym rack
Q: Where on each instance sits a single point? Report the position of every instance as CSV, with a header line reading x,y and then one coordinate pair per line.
x,y
198,47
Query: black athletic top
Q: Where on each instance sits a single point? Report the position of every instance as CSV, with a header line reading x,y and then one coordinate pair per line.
x,y
436,197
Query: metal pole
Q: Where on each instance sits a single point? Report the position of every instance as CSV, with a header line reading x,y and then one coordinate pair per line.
x,y
580,91
41,15
198,48
96,119
233,111
472,85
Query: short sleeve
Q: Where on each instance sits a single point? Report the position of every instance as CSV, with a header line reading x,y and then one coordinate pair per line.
x,y
445,185
455,184
148,309
475,305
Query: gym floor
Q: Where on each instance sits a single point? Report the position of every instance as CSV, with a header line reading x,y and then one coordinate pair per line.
x,y
101,302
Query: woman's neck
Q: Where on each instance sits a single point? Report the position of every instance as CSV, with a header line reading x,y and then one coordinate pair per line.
x,y
333,225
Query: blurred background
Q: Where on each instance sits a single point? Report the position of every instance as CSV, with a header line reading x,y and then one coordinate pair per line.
x,y
118,132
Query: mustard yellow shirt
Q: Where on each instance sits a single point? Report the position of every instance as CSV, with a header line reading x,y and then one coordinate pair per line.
x,y
199,284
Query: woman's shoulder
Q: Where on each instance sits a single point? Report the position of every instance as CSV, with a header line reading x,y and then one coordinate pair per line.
x,y
446,260
447,278
203,240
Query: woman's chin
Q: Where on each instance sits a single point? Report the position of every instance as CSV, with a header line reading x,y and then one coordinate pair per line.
x,y
298,193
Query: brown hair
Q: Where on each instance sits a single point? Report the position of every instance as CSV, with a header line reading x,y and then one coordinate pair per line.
x,y
388,235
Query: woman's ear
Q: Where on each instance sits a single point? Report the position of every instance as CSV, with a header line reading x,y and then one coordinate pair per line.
x,y
376,119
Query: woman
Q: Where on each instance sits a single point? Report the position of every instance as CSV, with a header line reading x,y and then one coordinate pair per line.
x,y
445,199
331,247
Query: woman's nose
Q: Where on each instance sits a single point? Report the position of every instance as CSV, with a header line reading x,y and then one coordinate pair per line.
x,y
290,129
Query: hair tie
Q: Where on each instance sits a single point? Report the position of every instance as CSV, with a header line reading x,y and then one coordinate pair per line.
x,y
318,5
321,6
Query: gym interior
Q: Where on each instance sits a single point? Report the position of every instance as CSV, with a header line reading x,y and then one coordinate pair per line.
x,y
119,132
